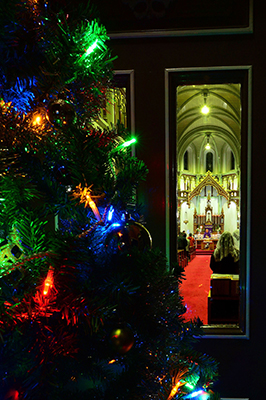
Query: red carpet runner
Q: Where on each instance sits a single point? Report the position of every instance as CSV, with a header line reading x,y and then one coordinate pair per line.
x,y
196,287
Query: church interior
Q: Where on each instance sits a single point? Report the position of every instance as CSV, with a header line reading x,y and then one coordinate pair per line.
x,y
208,193
208,158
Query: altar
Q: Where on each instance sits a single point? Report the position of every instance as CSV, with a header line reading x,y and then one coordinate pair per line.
x,y
209,221
207,244
201,243
206,205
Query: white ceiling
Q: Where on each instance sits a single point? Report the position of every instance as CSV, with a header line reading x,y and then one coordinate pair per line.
x,y
222,123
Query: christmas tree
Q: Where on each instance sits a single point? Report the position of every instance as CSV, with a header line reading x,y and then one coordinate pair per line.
x,y
89,309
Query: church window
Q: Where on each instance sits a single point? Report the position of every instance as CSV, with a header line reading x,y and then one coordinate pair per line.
x,y
209,162
232,161
186,161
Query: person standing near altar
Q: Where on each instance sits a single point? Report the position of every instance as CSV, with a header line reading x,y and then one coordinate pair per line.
x,y
192,240
191,245
207,234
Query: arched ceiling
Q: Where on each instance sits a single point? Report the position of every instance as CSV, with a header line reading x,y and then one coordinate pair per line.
x,y
222,123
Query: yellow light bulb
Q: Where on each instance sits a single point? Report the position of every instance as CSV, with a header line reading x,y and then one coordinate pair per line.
x,y
174,391
94,208
205,109
37,120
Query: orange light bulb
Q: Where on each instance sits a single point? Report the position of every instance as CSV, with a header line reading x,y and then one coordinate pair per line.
x,y
48,283
37,120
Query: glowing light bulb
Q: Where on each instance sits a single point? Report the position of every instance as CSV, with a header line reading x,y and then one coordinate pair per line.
x,y
189,385
198,393
85,197
125,144
129,142
115,225
89,50
208,146
94,208
205,109
37,120
92,47
174,391
49,281
110,214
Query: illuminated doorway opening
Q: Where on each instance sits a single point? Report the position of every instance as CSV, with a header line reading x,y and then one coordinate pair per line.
x,y
208,193
185,157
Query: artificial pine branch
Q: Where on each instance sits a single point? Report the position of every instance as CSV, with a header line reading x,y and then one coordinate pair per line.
x,y
88,308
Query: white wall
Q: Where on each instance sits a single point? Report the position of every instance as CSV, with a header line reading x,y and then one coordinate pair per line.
x,y
230,214
230,218
186,213
203,205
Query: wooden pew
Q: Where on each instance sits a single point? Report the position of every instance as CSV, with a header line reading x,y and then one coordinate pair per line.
x,y
223,299
182,258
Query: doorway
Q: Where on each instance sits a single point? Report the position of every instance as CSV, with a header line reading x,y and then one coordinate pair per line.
x,y
207,177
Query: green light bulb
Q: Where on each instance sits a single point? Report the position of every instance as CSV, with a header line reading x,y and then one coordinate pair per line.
x,y
129,142
91,48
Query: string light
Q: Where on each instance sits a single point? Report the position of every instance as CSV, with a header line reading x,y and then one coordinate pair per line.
x,y
203,395
110,214
49,281
12,394
125,144
85,197
189,385
120,147
174,391
37,120
94,208
177,382
92,36
91,48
